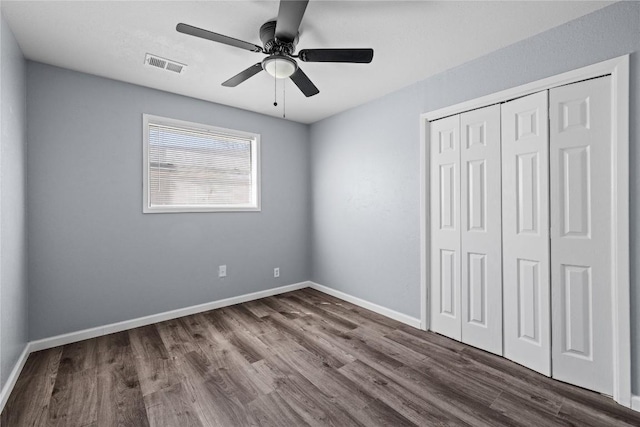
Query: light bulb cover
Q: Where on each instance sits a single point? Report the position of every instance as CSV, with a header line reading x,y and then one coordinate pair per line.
x,y
279,66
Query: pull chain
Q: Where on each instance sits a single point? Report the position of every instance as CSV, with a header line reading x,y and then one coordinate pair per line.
x,y
275,88
275,93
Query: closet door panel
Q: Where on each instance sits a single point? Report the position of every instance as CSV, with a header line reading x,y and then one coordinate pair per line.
x,y
445,227
580,131
525,232
480,202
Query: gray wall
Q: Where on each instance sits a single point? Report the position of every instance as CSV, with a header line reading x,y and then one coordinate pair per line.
x,y
365,170
365,189
95,258
13,242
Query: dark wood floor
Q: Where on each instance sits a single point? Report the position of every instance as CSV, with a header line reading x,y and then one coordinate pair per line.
x,y
302,358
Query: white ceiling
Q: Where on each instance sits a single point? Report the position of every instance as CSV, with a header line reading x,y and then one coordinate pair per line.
x,y
412,40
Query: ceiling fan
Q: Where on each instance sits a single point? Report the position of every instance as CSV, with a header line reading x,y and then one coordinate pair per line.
x,y
279,39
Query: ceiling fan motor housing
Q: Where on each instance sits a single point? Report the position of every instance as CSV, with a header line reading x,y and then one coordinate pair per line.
x,y
271,44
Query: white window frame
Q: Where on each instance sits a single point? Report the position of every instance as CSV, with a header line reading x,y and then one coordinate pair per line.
x,y
254,206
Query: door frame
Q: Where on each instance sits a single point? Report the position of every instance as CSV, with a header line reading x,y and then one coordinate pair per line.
x,y
618,68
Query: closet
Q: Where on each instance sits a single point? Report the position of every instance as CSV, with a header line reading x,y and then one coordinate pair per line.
x,y
521,228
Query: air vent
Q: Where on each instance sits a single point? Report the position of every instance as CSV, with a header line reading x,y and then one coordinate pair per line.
x,y
176,68
157,62
163,63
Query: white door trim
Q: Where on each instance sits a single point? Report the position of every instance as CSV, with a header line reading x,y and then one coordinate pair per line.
x,y
618,68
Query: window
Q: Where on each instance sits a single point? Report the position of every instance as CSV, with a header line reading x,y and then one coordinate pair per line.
x,y
189,167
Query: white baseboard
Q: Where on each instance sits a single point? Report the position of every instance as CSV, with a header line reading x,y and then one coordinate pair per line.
x,y
13,376
173,314
72,337
160,317
400,317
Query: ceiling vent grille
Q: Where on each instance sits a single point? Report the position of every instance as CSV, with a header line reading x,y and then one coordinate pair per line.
x,y
163,63
176,68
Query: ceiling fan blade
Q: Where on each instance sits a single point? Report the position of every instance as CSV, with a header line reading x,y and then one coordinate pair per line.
x,y
304,84
204,34
243,75
289,18
362,56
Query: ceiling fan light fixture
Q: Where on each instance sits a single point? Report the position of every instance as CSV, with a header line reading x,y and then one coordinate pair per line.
x,y
279,66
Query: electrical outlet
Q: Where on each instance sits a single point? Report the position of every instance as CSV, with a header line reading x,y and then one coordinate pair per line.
x,y
276,272
222,271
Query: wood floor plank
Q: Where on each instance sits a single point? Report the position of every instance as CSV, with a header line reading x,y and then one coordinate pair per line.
x,y
251,348
171,406
280,306
220,408
409,405
74,399
450,362
328,380
466,385
213,398
476,409
332,319
363,318
228,359
74,396
272,410
476,395
299,358
363,351
426,346
434,338
353,345
28,404
268,374
208,339
407,356
576,413
247,321
495,371
155,367
521,412
308,401
176,337
258,308
378,413
360,315
235,376
312,343
279,342
205,337
446,363
78,357
119,400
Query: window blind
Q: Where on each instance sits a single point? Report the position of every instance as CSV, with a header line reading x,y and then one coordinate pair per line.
x,y
191,168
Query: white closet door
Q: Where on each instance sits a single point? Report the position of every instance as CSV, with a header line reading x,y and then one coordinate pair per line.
x,y
580,129
525,232
481,229
445,226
